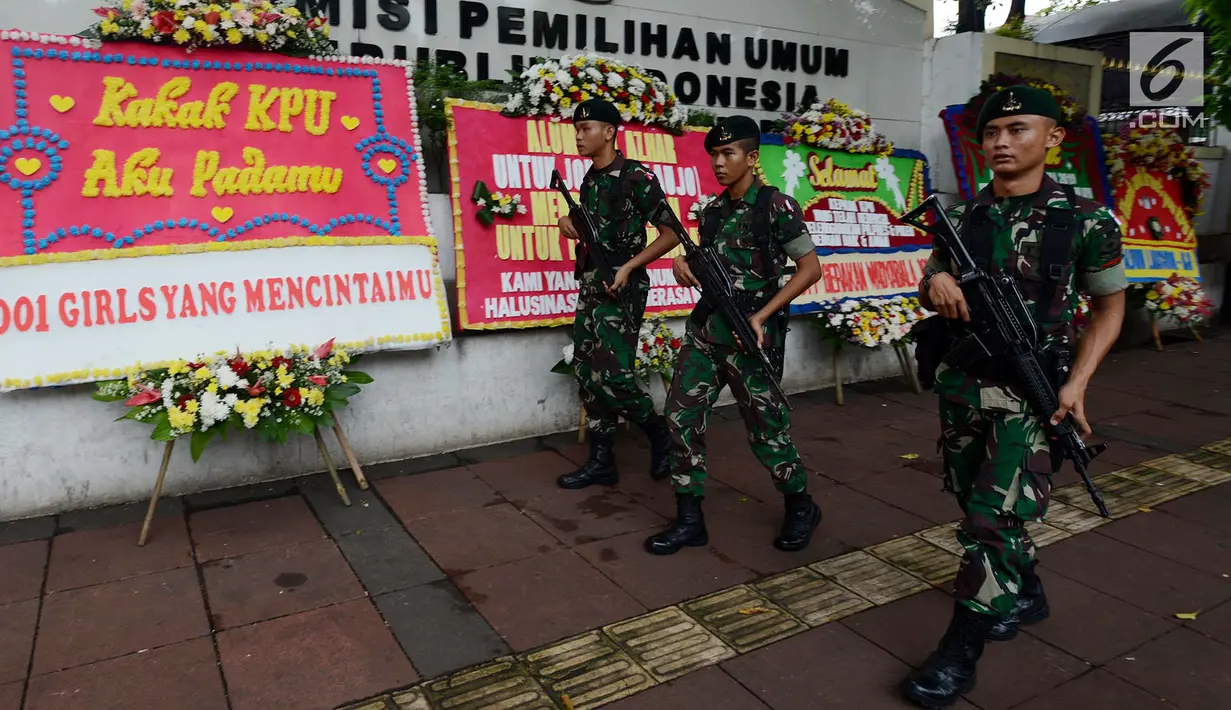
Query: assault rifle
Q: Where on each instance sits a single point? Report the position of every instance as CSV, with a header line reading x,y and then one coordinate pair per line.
x,y
1002,327
717,289
589,237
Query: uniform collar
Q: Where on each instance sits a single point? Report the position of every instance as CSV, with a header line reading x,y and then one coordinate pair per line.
x,y
1049,194
750,197
614,166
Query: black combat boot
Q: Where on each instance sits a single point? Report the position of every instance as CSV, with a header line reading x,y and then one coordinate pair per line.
x,y
688,530
660,446
802,517
950,671
1031,607
600,469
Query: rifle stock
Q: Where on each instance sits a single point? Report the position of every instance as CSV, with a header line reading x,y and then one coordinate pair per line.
x,y
716,287
1003,328
589,237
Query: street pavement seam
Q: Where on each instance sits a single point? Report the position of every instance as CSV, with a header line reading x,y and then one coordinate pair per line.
x,y
603,665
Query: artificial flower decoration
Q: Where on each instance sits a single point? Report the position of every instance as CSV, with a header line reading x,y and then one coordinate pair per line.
x,y
554,88
495,204
275,393
833,125
658,348
261,25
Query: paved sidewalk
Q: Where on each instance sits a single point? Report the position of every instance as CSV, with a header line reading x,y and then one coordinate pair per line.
x,y
277,596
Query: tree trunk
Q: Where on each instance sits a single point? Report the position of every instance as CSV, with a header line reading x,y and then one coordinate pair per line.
x,y
970,16
1017,9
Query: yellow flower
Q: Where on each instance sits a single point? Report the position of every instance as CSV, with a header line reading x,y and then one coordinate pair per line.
x,y
314,397
181,36
178,367
192,406
212,388
234,36
291,12
1152,295
180,15
179,419
203,374
291,34
109,28
148,32
262,37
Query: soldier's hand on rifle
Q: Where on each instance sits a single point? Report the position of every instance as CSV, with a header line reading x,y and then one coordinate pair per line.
x,y
620,280
683,274
567,228
1073,401
947,297
757,322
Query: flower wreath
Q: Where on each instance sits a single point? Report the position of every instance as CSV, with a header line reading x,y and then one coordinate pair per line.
x,y
870,322
834,125
554,88
657,350
261,25
1160,149
1180,299
1073,117
494,204
274,393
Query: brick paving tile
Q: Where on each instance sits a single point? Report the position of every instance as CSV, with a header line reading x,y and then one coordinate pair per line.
x,y
911,490
445,491
657,581
860,520
252,527
864,452
438,628
1215,623
1188,431
114,515
749,477
80,559
23,564
599,513
1175,539
1208,508
388,559
366,511
17,623
908,628
830,666
467,540
317,659
656,496
1145,580
545,598
1187,669
10,695
742,530
524,477
710,688
91,624
273,583
1097,689
1092,625
183,676
1013,672
27,529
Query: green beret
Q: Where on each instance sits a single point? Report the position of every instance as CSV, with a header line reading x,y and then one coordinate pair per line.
x,y
1018,101
731,129
597,110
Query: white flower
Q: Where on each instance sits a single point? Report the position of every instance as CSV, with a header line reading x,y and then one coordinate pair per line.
x,y
564,79
226,377
568,354
614,80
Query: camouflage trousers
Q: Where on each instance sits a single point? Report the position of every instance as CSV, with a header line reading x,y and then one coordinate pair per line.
x,y
999,466
701,371
605,351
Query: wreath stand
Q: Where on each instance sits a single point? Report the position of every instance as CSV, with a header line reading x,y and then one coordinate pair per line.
x,y
904,361
351,459
1158,340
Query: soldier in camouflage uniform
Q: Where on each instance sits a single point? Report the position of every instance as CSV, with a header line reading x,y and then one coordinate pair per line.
x,y
996,456
618,194
711,358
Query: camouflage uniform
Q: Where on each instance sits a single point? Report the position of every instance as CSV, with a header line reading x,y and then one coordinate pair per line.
x,y
996,456
604,344
710,359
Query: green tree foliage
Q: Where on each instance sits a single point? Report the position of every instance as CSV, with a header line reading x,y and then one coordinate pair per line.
x,y
1214,16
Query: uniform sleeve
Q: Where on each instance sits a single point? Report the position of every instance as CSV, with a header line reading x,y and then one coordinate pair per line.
x,y
1100,261
939,260
789,226
646,192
